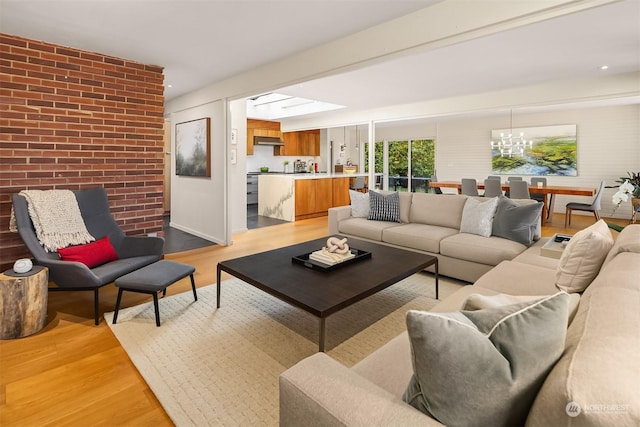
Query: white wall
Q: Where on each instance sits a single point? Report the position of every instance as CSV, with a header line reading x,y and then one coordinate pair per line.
x,y
608,147
237,196
195,206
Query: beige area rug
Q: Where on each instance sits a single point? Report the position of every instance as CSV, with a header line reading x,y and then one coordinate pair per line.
x,y
220,367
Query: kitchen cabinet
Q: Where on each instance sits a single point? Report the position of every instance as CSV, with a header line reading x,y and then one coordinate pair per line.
x,y
341,191
261,128
301,143
252,189
314,197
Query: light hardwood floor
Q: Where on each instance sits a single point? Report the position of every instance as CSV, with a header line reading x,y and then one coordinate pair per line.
x,y
74,373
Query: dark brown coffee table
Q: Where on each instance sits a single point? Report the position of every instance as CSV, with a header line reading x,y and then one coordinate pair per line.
x,y
323,293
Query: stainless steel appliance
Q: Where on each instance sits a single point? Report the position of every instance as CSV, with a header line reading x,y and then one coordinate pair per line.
x,y
299,166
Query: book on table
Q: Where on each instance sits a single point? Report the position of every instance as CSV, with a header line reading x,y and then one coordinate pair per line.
x,y
330,258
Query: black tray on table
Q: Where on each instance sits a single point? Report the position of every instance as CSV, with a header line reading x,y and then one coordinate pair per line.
x,y
317,265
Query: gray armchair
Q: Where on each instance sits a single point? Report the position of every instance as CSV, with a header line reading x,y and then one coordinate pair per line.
x,y
133,252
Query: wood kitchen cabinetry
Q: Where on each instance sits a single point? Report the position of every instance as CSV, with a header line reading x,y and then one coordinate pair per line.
x,y
314,197
341,191
261,128
301,143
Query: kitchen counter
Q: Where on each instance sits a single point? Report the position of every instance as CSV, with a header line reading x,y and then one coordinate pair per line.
x,y
307,175
291,196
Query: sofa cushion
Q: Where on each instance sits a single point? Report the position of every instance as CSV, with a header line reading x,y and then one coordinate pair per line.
x,y
417,236
477,216
484,250
444,210
628,241
359,204
384,207
91,254
484,367
598,373
405,205
365,228
481,301
516,222
516,278
581,260
533,256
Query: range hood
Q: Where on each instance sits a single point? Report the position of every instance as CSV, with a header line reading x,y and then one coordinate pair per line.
x,y
267,140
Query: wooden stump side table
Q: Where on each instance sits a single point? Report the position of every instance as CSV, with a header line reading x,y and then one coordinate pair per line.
x,y
23,302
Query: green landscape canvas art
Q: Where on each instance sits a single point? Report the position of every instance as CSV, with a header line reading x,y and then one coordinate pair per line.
x,y
550,150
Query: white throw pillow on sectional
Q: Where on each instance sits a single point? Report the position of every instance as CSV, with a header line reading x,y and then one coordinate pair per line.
x,y
477,216
359,204
582,258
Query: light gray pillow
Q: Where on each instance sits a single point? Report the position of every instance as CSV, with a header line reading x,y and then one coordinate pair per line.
x,y
384,207
484,367
359,204
516,222
477,216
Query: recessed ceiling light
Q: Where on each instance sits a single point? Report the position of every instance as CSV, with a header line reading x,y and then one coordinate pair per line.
x,y
169,86
604,67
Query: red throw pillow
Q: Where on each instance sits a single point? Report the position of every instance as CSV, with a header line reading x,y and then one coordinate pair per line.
x,y
92,254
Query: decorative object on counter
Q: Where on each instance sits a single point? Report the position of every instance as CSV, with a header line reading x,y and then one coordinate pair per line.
x,y
285,163
193,145
264,169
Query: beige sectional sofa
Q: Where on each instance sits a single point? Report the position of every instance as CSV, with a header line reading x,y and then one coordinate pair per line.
x,y
595,382
430,223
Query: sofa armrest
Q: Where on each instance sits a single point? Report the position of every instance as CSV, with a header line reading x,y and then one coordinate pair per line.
x,y
336,215
319,391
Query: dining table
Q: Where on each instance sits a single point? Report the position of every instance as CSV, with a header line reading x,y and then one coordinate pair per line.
x,y
546,190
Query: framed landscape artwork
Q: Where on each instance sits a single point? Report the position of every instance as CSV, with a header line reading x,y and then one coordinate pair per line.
x,y
193,145
550,150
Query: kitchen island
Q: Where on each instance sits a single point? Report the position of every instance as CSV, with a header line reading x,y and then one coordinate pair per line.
x,y
291,197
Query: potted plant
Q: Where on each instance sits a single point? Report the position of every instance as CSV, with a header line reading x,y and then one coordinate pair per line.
x,y
629,186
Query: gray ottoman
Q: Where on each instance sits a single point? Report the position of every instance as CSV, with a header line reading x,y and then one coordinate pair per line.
x,y
152,279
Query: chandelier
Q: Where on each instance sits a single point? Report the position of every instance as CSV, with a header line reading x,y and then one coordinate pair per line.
x,y
511,144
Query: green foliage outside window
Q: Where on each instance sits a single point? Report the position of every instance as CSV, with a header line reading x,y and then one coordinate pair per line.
x,y
423,157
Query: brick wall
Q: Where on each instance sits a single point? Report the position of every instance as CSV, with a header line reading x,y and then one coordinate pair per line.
x,y
71,119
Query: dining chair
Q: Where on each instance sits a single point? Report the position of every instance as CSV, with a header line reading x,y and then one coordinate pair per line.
x,y
519,189
358,184
469,187
509,179
436,190
492,187
534,183
494,177
593,207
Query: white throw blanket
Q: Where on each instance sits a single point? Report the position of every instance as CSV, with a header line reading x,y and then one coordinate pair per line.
x,y
56,218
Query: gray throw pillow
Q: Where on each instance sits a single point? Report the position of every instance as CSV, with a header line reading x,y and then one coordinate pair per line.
x,y
384,207
484,367
516,222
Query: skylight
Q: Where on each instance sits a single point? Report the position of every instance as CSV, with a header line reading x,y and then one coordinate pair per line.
x,y
273,106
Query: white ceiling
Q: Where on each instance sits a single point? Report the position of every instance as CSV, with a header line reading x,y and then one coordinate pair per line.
x,y
202,42
198,42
